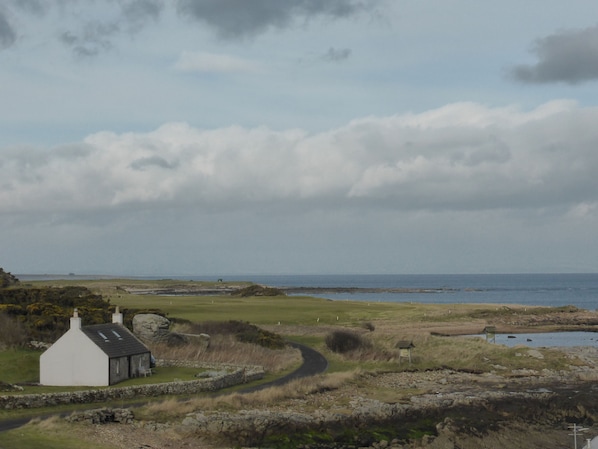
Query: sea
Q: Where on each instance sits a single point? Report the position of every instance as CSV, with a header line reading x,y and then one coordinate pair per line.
x,y
555,290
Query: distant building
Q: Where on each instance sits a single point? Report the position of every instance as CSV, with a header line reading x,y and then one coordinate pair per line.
x,y
405,347
96,355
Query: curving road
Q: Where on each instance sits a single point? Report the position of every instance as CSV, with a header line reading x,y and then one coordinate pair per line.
x,y
313,363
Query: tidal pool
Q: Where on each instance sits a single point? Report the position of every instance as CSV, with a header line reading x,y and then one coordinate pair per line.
x,y
547,339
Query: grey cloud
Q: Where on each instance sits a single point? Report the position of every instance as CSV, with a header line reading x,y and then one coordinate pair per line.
x,y
95,39
7,33
570,57
233,19
36,7
152,161
138,12
336,55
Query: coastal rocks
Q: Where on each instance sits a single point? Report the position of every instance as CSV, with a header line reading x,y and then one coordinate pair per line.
x,y
257,427
152,328
103,416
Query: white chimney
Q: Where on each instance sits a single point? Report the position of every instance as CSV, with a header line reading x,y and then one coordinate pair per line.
x,y
75,320
117,317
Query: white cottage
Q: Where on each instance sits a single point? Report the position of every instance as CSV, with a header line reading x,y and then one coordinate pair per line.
x,y
96,355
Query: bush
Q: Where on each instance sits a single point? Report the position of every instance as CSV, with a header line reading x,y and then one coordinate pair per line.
x,y
7,279
369,326
345,341
12,332
243,331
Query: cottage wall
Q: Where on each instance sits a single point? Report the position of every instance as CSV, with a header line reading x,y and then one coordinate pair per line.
x,y
74,360
139,364
119,369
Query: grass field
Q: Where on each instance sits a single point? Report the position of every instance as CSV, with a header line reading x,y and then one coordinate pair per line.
x,y
299,318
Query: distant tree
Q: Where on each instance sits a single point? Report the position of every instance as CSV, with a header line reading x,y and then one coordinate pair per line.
x,y
7,279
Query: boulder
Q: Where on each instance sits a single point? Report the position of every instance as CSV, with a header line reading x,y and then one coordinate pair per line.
x,y
150,327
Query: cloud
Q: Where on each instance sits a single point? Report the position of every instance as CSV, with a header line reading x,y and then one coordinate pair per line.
x,y
87,27
36,7
238,19
141,10
95,38
203,62
568,56
7,34
463,156
336,55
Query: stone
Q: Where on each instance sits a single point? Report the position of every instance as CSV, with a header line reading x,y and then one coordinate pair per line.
x,y
151,327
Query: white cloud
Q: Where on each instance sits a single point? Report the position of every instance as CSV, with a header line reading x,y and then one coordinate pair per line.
x,y
202,62
461,156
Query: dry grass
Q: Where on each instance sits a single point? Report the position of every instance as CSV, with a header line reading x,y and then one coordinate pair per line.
x,y
268,397
227,350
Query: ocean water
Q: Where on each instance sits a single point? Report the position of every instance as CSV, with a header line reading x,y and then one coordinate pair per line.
x,y
580,289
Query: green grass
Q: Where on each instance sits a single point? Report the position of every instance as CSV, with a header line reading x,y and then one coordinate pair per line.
x,y
19,365
44,436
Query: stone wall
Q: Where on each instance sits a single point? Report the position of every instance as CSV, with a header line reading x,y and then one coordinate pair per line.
x,y
223,380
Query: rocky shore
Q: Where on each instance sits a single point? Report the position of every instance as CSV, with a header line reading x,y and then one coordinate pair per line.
x,y
447,410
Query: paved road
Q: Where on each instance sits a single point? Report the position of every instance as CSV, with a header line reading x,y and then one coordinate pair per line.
x,y
313,363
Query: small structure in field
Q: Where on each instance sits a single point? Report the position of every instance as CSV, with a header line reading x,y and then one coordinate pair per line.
x,y
405,347
490,332
96,355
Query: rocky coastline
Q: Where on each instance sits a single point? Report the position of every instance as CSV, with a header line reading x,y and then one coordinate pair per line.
x,y
448,410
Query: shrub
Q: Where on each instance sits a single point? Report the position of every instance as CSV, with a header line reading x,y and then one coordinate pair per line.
x,y
7,279
243,331
345,341
369,326
12,332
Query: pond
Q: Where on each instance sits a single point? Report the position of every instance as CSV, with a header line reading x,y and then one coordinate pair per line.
x,y
547,339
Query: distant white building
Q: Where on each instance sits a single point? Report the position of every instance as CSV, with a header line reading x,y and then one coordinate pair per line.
x,y
96,355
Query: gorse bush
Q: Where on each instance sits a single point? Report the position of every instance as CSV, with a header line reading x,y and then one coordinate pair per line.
x,y
243,331
345,341
12,332
45,312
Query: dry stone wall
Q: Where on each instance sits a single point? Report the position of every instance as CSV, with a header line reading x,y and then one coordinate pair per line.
x,y
224,379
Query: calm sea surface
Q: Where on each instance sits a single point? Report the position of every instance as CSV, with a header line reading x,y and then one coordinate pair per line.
x,y
580,290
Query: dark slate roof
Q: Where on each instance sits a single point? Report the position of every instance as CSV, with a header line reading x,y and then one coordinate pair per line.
x,y
114,339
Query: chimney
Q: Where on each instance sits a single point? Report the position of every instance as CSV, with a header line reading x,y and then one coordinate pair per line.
x,y
75,320
117,317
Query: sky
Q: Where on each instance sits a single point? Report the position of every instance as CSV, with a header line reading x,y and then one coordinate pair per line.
x,y
222,137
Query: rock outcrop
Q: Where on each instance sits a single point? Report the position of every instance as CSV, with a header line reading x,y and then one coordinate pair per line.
x,y
152,328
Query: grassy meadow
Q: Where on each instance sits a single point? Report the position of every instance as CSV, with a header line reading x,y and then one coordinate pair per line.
x,y
303,319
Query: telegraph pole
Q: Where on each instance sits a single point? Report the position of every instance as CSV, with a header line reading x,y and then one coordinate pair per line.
x,y
576,430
